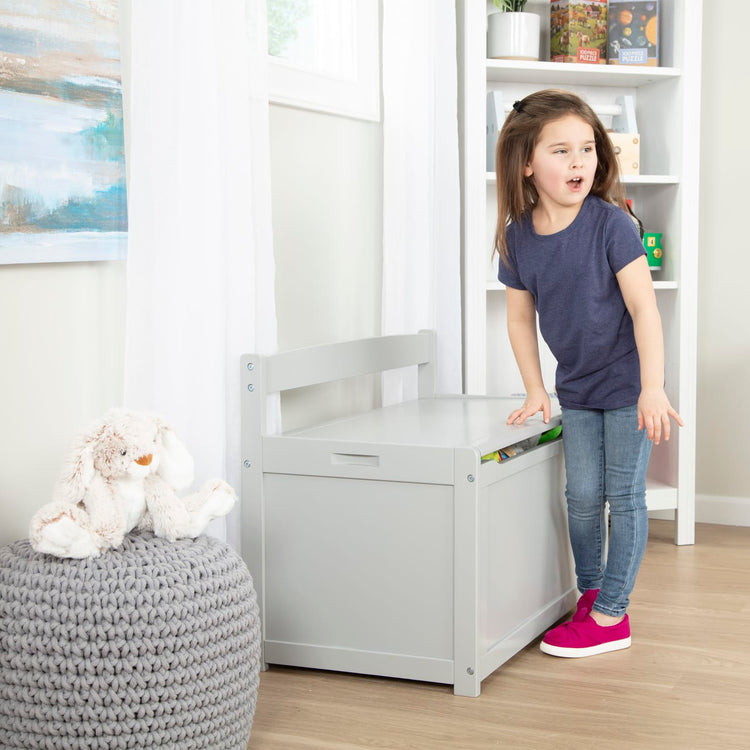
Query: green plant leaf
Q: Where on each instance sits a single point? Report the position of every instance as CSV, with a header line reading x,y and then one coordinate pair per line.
x,y
510,6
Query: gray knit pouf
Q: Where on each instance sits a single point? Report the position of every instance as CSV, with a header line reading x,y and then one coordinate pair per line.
x,y
155,644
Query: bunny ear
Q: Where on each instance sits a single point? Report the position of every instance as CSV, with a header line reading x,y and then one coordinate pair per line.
x,y
175,462
77,474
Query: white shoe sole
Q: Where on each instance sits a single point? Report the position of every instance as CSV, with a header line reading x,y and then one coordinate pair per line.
x,y
576,653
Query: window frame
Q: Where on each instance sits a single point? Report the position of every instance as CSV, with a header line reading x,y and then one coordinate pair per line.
x,y
357,97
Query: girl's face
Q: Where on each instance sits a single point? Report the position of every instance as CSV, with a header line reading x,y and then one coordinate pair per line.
x,y
563,163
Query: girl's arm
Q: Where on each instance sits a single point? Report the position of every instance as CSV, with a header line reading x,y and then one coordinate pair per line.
x,y
523,339
654,409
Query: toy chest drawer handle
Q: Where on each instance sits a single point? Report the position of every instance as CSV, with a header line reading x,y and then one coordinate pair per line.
x,y
354,459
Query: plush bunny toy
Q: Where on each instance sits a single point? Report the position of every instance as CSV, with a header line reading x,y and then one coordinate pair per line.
x,y
122,474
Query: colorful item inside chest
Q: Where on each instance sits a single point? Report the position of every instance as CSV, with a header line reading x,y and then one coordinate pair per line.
x,y
503,454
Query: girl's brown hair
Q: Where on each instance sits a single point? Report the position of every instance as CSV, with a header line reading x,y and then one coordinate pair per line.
x,y
516,194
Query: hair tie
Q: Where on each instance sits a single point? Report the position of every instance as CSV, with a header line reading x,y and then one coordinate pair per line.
x,y
518,106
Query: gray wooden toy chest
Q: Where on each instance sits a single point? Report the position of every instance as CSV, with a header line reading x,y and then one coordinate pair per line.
x,y
381,543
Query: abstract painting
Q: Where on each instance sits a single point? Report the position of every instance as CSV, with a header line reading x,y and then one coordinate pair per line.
x,y
62,156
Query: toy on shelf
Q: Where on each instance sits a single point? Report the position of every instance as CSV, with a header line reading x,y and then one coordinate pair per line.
x,y
633,33
578,31
628,152
654,250
495,119
625,138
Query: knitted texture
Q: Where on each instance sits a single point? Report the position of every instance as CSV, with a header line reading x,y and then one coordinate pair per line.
x,y
155,644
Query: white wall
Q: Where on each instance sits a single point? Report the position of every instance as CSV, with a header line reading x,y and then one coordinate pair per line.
x,y
327,175
61,343
722,461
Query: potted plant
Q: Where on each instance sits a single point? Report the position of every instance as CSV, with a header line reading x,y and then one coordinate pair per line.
x,y
512,34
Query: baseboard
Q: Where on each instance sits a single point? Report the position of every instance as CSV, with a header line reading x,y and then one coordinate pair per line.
x,y
726,511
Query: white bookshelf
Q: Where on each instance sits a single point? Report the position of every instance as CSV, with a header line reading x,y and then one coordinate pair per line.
x,y
665,196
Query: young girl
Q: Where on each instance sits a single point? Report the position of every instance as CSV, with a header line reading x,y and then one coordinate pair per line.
x,y
571,253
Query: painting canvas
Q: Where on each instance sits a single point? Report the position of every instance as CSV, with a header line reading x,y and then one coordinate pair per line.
x,y
62,156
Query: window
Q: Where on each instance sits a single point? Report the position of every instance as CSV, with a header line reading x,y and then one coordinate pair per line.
x,y
325,55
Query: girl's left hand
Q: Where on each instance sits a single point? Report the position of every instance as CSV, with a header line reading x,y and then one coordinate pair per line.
x,y
654,412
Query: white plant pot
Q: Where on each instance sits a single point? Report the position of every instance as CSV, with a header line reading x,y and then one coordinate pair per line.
x,y
513,36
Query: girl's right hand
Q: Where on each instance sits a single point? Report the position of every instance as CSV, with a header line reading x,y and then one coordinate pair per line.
x,y
537,400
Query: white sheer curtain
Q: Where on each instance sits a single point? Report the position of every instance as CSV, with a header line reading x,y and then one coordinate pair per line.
x,y
200,262
421,202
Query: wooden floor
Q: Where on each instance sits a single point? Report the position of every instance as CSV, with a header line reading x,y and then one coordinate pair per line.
x,y
683,685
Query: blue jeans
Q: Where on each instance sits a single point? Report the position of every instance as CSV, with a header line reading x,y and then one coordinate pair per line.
x,y
606,458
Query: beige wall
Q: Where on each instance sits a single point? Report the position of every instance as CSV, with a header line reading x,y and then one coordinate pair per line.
x,y
723,452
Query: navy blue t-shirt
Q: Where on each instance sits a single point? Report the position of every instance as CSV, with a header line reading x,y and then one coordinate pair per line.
x,y
582,314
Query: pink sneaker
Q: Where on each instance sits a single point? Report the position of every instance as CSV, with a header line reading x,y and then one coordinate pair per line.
x,y
586,638
584,605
